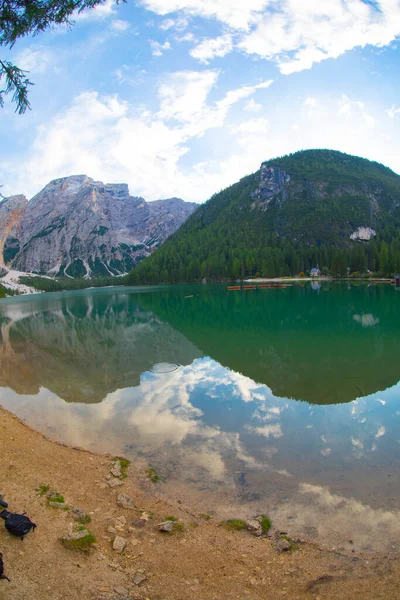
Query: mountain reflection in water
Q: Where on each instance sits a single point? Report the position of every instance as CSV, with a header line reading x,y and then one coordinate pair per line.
x,y
79,367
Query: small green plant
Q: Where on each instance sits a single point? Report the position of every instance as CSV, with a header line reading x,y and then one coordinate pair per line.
x,y
86,519
205,516
42,489
291,542
152,475
178,527
56,500
124,462
265,523
83,544
235,524
170,518
55,497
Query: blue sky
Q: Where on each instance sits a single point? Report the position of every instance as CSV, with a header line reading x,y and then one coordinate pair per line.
x,y
184,97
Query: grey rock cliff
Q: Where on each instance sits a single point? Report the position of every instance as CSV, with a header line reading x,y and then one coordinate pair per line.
x,y
80,227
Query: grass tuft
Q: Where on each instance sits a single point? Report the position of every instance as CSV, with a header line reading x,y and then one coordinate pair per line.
x,y
265,523
82,544
152,475
86,519
124,462
235,524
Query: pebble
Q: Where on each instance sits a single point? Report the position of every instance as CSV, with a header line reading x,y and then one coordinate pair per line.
x,y
119,544
116,469
78,514
114,483
111,529
58,505
134,542
254,526
126,502
76,536
138,578
282,545
121,591
166,526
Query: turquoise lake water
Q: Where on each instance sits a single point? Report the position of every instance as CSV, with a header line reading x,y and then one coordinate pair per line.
x,y
281,401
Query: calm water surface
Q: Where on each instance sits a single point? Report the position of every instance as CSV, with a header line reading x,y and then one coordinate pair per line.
x,y
284,401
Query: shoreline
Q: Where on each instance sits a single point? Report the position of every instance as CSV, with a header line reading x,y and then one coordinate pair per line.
x,y
24,290
204,561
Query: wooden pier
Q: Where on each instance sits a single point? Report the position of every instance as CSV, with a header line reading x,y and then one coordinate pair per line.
x,y
260,286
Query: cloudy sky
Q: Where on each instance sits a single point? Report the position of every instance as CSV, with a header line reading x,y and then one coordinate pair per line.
x,y
184,97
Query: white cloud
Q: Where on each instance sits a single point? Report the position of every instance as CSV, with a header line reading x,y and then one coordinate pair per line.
x,y
295,34
381,432
120,25
212,48
357,443
348,108
267,431
392,112
35,61
129,74
158,49
326,451
184,96
252,106
101,11
311,102
236,14
113,140
252,127
167,24
178,24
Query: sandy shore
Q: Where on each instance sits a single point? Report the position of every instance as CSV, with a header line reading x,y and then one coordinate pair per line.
x,y
204,561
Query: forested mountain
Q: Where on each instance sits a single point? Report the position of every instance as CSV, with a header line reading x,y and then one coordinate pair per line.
x,y
315,207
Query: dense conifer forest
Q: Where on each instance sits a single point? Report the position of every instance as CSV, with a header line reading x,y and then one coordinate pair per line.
x,y
330,194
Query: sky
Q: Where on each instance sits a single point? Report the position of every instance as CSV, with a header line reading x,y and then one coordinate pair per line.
x,y
184,97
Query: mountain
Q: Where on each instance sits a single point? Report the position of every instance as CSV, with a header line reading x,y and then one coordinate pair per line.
x,y
80,227
315,207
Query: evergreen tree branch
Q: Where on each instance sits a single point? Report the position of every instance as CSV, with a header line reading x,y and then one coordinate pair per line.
x,y
19,18
17,84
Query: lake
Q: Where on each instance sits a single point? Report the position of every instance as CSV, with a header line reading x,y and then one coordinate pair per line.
x,y
277,401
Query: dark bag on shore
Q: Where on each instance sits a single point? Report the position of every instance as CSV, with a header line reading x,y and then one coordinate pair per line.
x,y
18,525
2,576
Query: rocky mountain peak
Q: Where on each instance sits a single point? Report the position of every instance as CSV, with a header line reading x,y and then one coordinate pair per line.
x,y
76,226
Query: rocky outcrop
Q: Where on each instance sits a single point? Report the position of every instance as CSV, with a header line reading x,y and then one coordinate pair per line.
x,y
79,227
363,233
272,185
11,211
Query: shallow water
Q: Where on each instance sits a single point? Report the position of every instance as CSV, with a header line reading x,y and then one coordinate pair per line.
x,y
281,401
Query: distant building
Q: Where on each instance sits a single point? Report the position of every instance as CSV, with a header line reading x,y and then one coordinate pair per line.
x,y
315,272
